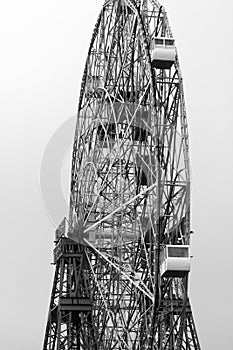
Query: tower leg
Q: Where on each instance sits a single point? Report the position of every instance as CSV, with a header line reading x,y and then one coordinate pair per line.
x,y
69,325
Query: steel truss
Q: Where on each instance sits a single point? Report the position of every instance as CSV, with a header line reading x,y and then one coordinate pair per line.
x,y
130,196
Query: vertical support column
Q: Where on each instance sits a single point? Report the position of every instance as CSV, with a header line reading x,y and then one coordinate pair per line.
x,y
70,325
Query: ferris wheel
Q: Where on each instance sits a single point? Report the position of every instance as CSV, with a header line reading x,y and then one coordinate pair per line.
x,y
130,186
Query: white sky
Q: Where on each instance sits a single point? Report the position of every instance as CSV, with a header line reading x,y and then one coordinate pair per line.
x,y
43,50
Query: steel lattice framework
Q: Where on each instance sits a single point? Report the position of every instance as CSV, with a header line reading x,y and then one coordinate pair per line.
x,y
130,195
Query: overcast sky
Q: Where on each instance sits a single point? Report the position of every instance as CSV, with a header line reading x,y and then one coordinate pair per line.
x,y
43,50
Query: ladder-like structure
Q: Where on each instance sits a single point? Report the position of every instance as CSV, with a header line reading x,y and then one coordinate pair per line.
x,y
123,262
70,312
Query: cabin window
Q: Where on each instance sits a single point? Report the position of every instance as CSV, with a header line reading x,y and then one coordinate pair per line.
x,y
100,132
178,252
169,42
138,134
141,178
158,41
111,131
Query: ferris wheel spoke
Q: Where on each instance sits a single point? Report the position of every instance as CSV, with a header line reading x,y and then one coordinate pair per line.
x,y
139,286
123,206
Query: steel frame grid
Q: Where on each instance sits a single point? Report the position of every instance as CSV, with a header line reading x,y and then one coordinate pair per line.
x,y
130,186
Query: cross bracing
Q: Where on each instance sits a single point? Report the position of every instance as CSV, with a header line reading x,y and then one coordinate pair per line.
x,y
130,194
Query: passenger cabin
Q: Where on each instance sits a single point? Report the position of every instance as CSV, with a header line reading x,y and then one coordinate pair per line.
x,y
104,234
163,52
175,261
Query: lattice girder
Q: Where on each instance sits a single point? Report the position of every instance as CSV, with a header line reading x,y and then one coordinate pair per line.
x,y
130,193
